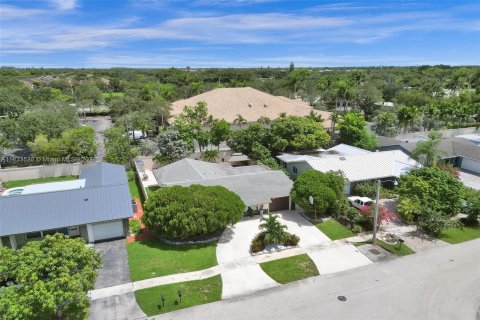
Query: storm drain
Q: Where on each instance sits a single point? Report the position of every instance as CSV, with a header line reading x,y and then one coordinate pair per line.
x,y
375,251
342,298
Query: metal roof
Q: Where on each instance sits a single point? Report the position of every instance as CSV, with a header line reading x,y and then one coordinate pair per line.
x,y
370,166
105,197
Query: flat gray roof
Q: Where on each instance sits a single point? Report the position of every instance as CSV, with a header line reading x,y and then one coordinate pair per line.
x,y
106,197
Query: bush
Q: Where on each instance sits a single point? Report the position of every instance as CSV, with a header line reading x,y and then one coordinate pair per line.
x,y
135,226
369,189
472,208
433,222
357,228
130,175
184,213
292,240
257,244
408,209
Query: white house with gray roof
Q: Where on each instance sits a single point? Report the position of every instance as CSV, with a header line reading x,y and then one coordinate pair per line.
x,y
357,165
95,207
259,187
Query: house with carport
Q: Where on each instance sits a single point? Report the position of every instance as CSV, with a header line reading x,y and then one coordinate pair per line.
x,y
357,165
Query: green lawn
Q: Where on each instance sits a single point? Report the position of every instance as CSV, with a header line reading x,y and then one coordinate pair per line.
x,y
457,235
135,191
152,258
22,183
402,250
334,229
290,269
193,293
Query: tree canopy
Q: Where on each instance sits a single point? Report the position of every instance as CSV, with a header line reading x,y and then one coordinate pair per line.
x,y
324,188
353,131
47,279
184,213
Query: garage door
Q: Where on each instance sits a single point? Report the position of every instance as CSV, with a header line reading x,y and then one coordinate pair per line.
x,y
107,230
471,165
279,204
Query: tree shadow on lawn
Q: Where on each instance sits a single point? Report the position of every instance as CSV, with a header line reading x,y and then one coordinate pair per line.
x,y
157,244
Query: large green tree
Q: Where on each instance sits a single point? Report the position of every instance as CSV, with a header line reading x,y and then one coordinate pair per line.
x,y
301,133
117,146
429,190
426,152
324,188
386,124
47,279
184,213
353,131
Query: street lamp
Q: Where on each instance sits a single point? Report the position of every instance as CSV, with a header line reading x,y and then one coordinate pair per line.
x,y
377,200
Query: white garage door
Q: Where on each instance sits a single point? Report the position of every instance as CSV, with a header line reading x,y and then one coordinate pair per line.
x,y
471,165
107,230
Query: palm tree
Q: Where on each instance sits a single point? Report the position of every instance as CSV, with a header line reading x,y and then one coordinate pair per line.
x,y
426,152
315,117
240,120
334,117
274,231
264,120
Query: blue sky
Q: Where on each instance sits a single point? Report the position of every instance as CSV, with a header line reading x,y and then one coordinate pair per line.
x,y
237,33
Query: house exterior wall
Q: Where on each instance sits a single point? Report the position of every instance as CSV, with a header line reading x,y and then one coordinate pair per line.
x,y
296,168
126,227
84,233
21,240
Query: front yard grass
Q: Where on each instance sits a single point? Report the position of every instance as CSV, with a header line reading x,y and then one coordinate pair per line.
x,y
397,250
290,269
193,293
23,183
152,258
135,191
457,235
334,229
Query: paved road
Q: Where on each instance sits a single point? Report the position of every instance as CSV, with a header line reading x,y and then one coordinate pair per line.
x,y
441,283
470,179
100,124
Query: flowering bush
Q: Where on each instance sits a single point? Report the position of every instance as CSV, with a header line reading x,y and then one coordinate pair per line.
x,y
383,213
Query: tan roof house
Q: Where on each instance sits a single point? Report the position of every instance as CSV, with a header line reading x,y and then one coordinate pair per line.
x,y
227,103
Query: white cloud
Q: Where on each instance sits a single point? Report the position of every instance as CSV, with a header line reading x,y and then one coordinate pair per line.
x,y
64,4
14,12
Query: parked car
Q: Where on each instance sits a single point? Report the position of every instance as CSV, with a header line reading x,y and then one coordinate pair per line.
x,y
136,135
359,202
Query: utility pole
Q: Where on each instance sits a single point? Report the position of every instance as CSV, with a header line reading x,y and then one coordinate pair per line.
x,y
375,218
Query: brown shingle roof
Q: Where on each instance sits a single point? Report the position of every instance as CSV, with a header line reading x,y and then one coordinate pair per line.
x,y
227,103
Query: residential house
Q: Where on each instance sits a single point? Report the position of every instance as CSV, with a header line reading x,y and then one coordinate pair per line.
x,y
95,207
357,165
259,187
228,103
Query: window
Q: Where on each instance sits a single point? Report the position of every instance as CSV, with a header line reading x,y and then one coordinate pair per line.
x,y
49,232
33,235
295,169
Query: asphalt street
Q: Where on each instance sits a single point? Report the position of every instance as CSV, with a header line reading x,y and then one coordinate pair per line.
x,y
441,283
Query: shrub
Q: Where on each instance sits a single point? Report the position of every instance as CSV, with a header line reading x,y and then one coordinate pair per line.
x,y
257,244
357,228
135,226
292,240
130,175
369,189
472,208
184,213
408,209
433,222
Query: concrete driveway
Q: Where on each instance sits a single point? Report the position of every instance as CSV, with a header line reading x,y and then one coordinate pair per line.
x,y
119,307
470,179
114,268
114,271
242,275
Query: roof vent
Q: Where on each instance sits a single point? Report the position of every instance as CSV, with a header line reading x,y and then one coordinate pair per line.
x,y
250,104
265,105
343,158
